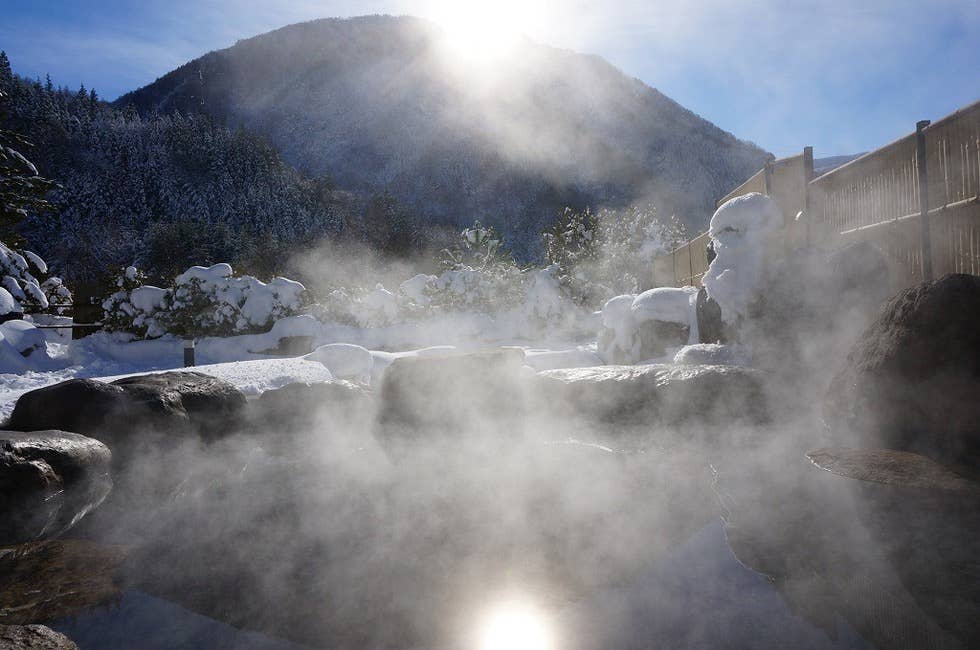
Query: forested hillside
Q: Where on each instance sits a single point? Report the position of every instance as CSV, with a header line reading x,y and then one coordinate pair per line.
x,y
377,103
172,190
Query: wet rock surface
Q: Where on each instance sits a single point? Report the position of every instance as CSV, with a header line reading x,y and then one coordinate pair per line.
x,y
48,481
912,380
301,405
880,539
45,581
33,637
890,467
657,393
175,404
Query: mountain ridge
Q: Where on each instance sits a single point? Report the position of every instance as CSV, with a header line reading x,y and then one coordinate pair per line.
x,y
372,102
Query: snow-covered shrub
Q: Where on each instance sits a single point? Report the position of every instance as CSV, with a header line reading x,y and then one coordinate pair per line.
x,y
609,253
376,307
480,275
20,289
545,302
120,312
415,291
203,301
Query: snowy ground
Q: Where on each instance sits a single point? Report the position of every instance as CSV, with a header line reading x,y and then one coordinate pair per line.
x,y
234,360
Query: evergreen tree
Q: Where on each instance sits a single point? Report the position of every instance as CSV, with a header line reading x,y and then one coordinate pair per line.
x,y
22,189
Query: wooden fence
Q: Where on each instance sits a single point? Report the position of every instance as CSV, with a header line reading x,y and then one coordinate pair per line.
x,y
916,199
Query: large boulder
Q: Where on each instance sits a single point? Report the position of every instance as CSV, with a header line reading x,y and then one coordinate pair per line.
x,y
48,481
33,637
660,393
453,395
330,405
912,380
170,403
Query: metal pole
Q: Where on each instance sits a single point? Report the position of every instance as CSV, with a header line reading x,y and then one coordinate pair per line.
x,y
926,239
188,352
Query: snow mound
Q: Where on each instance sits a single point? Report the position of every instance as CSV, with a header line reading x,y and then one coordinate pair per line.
x,y
669,304
9,304
345,361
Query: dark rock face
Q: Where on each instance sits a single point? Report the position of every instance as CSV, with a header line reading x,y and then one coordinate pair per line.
x,y
912,381
175,403
661,393
711,329
298,406
656,336
452,394
48,481
33,637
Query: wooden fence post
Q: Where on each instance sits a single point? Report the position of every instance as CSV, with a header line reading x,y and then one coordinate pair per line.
x,y
926,237
807,177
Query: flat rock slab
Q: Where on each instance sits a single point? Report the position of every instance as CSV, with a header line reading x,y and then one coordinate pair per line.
x,y
33,637
890,467
48,481
661,393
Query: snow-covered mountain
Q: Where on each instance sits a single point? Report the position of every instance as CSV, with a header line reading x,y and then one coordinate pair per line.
x,y
379,105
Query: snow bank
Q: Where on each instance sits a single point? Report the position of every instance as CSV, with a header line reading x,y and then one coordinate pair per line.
x,y
740,229
256,377
24,336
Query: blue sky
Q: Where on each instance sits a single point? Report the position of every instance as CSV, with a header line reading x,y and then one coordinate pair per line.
x,y
840,75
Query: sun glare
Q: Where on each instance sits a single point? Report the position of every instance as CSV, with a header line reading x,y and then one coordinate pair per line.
x,y
485,29
515,626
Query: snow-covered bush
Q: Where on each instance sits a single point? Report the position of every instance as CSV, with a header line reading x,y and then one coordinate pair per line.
x,y
480,275
22,291
119,314
601,255
203,301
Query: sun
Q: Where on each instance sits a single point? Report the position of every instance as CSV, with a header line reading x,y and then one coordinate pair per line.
x,y
515,626
485,29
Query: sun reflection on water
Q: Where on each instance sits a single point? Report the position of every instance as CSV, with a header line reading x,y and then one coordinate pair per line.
x,y
515,625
